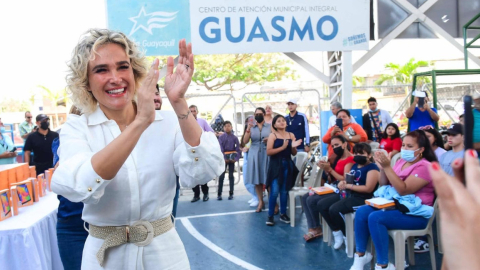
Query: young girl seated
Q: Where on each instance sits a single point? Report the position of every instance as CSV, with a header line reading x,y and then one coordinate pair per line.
x,y
365,179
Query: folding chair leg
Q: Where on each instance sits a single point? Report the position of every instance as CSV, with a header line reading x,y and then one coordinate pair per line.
x,y
291,200
432,251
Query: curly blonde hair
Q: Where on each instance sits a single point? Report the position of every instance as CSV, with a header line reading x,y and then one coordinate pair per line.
x,y
77,77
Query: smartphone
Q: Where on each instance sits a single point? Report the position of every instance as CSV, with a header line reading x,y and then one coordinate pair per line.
x,y
468,126
339,123
421,102
13,150
468,120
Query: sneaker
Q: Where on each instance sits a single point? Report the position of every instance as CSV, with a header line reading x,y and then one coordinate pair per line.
x,y
360,262
270,221
254,203
230,197
251,200
389,267
195,199
421,246
338,237
219,197
205,197
284,218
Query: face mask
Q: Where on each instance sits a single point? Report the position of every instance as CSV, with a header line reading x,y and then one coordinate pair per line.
x,y
361,160
338,151
373,111
259,118
408,155
2,130
44,125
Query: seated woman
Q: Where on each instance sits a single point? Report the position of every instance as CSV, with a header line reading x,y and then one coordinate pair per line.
x,y
391,141
435,139
343,163
352,132
410,175
366,177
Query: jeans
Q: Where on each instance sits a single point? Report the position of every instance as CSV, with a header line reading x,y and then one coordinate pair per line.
x,y
231,178
311,206
250,187
372,222
275,189
71,237
175,199
333,209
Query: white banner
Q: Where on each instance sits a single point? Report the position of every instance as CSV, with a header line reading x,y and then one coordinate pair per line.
x,y
254,26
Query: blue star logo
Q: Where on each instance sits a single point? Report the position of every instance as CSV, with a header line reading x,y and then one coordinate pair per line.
x,y
150,21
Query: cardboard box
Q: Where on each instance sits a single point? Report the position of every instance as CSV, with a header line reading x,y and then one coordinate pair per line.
x,y
22,194
5,201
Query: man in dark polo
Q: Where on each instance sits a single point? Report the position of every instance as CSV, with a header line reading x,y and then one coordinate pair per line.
x,y
40,143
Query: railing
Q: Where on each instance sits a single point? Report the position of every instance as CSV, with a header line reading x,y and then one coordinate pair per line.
x,y
470,44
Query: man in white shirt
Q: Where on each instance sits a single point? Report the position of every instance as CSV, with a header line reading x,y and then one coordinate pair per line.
x,y
335,107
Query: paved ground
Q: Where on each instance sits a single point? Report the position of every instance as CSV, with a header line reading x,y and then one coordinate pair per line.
x,y
229,235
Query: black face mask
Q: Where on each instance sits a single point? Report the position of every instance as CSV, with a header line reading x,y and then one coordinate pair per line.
x,y
44,125
338,151
361,160
259,118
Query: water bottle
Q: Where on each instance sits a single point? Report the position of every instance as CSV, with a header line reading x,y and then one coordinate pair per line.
x,y
310,191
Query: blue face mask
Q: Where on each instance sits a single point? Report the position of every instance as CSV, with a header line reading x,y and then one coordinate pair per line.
x,y
408,155
373,111
2,130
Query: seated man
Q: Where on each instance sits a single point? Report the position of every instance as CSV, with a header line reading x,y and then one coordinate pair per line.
x,y
422,115
455,141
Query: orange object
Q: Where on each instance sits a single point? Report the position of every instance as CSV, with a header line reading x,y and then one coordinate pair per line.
x,y
26,171
6,202
35,189
23,194
4,180
33,172
13,193
42,184
380,203
327,138
48,178
322,190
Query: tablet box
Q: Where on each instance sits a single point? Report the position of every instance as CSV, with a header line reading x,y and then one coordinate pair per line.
x,y
22,194
6,202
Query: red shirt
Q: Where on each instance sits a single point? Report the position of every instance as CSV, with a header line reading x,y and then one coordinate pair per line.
x,y
340,168
389,145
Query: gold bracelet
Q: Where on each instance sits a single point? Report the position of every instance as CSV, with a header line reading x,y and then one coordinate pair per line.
x,y
183,116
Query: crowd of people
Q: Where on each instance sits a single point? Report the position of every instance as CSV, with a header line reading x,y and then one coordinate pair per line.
x,y
106,160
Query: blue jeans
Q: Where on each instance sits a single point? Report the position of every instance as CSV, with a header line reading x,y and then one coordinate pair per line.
x,y
175,199
250,187
372,222
275,189
71,237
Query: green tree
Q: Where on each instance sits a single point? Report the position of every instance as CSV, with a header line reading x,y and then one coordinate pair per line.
x,y
237,71
358,81
403,74
14,105
54,97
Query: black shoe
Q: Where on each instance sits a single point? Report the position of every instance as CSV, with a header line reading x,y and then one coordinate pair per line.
x,y
421,246
195,199
205,197
219,197
270,221
284,218
231,196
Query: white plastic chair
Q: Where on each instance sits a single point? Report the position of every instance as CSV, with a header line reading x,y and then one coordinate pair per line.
x,y
315,179
327,232
395,158
300,162
399,237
